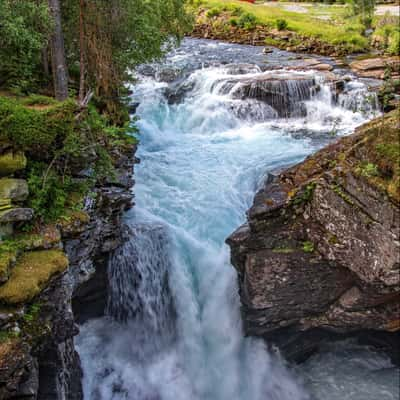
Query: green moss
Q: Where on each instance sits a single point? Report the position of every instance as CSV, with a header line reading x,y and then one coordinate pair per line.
x,y
38,100
305,195
340,192
31,274
308,247
11,162
367,169
35,131
14,189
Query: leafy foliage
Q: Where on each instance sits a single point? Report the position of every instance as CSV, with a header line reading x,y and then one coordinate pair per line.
x,y
364,9
247,21
281,24
23,33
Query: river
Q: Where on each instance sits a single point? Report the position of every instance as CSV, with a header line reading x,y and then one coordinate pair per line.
x,y
173,328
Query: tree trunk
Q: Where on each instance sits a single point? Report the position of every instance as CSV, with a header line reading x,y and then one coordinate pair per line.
x,y
82,49
45,61
59,66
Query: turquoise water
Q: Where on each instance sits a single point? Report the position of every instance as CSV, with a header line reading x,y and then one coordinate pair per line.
x,y
200,167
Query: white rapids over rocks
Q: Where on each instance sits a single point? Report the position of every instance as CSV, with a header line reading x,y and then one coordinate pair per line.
x,y
173,329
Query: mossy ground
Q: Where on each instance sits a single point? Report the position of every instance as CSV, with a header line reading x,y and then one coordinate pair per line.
x,y
31,274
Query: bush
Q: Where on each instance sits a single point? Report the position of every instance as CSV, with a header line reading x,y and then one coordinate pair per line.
x,y
48,192
237,11
213,12
394,43
233,21
281,24
33,131
247,21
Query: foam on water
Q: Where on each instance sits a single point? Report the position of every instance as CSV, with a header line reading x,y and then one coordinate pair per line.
x,y
201,165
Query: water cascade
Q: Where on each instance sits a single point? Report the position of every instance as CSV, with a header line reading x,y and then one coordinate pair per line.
x,y
173,327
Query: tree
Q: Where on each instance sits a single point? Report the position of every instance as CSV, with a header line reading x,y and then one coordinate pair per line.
x,y
364,9
58,62
23,33
117,35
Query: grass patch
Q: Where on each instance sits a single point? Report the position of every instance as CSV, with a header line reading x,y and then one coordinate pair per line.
x,y
339,29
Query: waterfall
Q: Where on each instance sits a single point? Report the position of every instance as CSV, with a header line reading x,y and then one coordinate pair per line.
x,y
139,291
173,329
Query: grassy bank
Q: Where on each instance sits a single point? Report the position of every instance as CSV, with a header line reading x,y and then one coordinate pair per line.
x,y
327,28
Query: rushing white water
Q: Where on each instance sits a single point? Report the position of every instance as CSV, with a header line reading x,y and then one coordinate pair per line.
x,y
173,330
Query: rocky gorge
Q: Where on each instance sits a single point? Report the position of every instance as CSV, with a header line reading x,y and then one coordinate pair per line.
x,y
123,304
319,255
55,278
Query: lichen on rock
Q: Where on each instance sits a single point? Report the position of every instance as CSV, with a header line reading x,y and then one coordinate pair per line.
x,y
11,162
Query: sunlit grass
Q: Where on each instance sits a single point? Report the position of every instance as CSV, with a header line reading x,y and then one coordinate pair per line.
x,y
337,29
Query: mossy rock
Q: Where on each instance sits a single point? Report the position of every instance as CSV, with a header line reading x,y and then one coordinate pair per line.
x,y
11,214
31,274
7,259
13,189
48,237
73,223
11,162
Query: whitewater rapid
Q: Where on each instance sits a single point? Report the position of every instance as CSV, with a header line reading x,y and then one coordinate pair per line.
x,y
173,328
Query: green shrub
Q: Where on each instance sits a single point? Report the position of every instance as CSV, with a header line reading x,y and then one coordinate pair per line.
x,y
281,24
394,43
37,132
48,192
214,12
38,100
237,11
233,21
247,21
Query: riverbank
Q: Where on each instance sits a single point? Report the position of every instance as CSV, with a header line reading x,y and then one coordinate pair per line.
x,y
336,34
318,257
66,180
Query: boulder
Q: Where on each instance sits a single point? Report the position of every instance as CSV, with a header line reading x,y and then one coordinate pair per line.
x,y
282,91
376,68
15,215
320,250
13,189
11,162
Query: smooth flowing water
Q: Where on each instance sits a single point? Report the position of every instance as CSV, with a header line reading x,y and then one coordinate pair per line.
x,y
173,328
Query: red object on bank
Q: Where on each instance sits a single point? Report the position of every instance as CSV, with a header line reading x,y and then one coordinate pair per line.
x,y
249,1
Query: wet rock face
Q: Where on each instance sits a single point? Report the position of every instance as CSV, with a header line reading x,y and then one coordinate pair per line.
x,y
43,364
320,251
281,93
